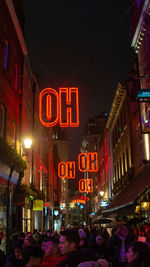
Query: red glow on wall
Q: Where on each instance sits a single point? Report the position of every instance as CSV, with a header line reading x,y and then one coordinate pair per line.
x,y
44,170
86,185
88,162
67,112
66,169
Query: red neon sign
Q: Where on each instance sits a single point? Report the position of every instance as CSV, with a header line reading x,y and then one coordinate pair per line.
x,y
68,93
78,201
88,162
66,169
53,107
86,185
45,111
85,198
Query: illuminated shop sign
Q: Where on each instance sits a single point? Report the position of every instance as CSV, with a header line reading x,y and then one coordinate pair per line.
x,y
78,201
86,185
86,162
62,107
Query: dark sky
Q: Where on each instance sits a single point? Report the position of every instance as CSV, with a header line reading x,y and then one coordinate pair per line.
x,y
86,45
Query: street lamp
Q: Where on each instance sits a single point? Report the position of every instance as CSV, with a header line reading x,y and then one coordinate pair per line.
x,y
27,143
101,193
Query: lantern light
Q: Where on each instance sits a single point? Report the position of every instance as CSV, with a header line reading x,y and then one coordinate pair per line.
x,y
27,143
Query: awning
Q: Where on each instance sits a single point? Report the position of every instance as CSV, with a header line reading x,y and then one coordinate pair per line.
x,y
5,172
131,191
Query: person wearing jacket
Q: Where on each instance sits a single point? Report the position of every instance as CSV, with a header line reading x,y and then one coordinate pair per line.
x,y
69,245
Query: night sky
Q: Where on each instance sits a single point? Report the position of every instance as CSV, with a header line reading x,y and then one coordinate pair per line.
x,y
84,45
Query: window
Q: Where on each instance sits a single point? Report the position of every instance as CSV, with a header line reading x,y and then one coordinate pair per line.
x,y
124,164
117,171
120,168
2,121
6,55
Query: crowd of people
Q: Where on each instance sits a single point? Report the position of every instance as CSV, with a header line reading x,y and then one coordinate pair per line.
x,y
77,247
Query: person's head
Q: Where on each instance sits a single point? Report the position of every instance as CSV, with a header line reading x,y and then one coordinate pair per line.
x,y
28,240
139,253
33,256
99,240
103,263
17,249
69,241
43,246
37,236
50,233
88,264
122,230
52,248
83,242
82,233
21,235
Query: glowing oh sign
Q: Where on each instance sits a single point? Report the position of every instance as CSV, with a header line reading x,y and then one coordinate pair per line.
x,y
62,107
88,162
66,169
86,185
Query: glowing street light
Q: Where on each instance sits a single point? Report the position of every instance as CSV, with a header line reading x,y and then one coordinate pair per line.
x,y
27,143
101,193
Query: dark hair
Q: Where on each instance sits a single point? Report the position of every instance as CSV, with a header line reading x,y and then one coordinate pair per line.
x,y
32,251
21,234
2,258
143,252
72,235
18,244
54,241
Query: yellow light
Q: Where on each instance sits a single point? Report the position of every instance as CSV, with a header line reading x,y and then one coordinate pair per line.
x,y
101,193
137,208
27,143
71,205
146,146
145,205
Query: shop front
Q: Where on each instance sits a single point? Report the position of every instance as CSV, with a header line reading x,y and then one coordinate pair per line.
x,y
3,216
125,203
27,218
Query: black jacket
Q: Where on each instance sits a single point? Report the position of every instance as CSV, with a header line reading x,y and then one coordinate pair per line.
x,y
73,259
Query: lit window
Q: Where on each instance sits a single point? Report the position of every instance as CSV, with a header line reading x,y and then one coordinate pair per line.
x,y
6,55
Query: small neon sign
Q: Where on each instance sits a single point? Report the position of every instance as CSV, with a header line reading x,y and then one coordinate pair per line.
x,y
86,185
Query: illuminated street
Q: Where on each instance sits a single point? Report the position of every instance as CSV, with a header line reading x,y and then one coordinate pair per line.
x,y
74,134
